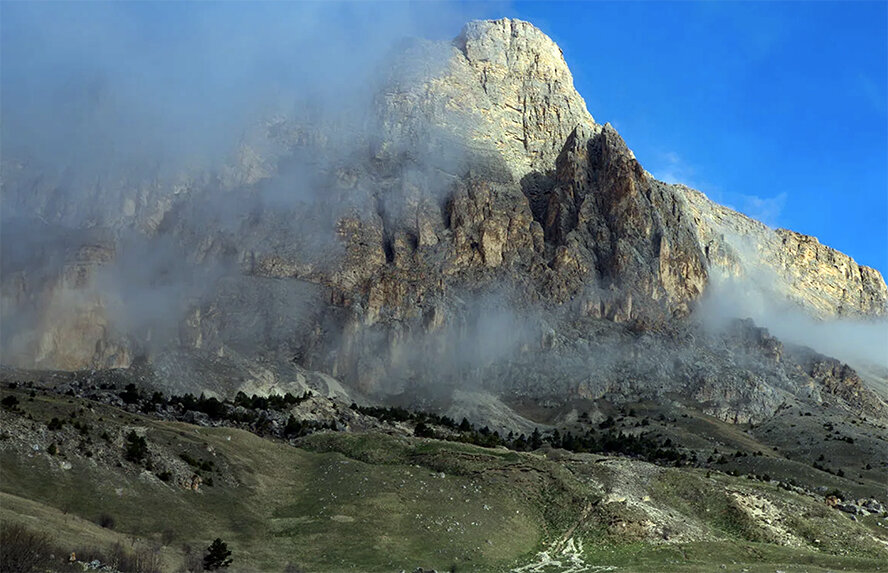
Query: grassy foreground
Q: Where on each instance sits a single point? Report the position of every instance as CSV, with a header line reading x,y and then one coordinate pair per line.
x,y
374,502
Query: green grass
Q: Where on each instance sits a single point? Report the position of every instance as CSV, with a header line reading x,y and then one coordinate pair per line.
x,y
709,557
320,509
374,502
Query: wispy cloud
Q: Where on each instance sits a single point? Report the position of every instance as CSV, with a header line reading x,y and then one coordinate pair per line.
x,y
871,92
671,168
768,210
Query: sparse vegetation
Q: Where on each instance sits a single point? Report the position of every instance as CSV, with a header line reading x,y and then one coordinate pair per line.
x,y
23,550
106,521
142,560
388,485
614,442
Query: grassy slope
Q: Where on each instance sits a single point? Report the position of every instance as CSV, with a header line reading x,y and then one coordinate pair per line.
x,y
790,443
370,502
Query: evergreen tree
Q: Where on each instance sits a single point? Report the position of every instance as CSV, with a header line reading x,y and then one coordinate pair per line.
x,y
218,556
536,439
136,447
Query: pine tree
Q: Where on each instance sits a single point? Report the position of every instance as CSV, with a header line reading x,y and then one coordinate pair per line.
x,y
536,440
218,556
136,447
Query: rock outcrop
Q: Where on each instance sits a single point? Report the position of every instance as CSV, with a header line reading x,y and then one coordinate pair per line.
x,y
823,281
504,89
484,223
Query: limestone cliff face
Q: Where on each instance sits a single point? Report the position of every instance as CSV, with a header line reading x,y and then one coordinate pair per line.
x,y
821,280
52,316
483,203
503,88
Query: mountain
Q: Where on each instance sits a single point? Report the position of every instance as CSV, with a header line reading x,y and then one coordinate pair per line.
x,y
470,243
478,218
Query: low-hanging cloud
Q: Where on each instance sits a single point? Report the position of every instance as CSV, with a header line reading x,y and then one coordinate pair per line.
x,y
114,113
89,88
760,295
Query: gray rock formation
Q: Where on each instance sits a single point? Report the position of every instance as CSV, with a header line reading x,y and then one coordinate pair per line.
x,y
482,233
825,282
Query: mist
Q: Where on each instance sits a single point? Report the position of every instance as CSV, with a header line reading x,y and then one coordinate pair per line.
x,y
90,88
757,295
207,154
112,113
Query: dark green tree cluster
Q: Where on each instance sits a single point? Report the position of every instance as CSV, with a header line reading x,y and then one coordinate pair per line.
x,y
298,428
135,447
271,402
213,407
611,441
218,556
396,414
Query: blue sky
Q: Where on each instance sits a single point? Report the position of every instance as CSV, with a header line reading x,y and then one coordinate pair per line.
x,y
776,109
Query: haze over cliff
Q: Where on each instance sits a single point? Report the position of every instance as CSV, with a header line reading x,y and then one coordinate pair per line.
x,y
465,229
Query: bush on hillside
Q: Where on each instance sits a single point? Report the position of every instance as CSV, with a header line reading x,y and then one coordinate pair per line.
x,y
23,550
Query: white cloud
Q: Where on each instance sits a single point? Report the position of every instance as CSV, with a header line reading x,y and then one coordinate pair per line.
x,y
669,167
768,210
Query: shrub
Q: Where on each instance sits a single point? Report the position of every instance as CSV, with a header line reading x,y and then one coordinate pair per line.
x,y
136,447
193,559
143,560
422,430
106,521
23,550
130,394
10,402
167,536
536,439
212,407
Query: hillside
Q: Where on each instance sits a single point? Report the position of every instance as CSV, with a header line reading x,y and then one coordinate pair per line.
x,y
385,501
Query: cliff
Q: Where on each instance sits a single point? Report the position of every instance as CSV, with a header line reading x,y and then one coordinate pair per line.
x,y
483,224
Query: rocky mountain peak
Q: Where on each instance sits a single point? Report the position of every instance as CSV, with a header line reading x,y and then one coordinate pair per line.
x,y
516,45
504,90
